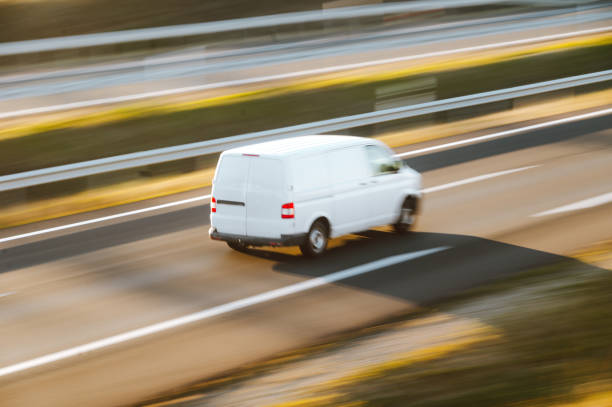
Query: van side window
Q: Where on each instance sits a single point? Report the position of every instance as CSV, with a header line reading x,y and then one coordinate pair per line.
x,y
381,161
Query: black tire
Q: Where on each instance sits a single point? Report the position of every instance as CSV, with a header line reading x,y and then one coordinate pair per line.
x,y
238,246
407,216
316,240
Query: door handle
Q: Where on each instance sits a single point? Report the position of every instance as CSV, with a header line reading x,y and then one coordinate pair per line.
x,y
363,183
373,182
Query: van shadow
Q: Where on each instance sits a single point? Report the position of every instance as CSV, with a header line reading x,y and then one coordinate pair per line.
x,y
467,262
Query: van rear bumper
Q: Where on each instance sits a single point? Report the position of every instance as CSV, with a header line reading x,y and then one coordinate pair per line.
x,y
284,240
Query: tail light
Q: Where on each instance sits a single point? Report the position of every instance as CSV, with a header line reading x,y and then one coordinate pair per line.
x,y
213,205
288,211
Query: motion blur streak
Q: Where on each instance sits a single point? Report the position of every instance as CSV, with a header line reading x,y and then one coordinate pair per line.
x,y
409,153
476,179
104,218
219,310
318,71
163,60
584,204
508,132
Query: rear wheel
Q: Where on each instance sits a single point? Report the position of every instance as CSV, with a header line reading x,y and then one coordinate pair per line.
x,y
238,246
316,240
407,216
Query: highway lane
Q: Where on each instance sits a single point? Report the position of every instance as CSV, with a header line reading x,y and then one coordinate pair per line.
x,y
74,287
108,216
210,70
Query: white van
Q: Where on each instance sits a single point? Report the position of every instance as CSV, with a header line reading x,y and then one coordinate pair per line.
x,y
305,190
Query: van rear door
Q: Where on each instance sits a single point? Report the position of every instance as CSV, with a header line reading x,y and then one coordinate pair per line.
x,y
266,193
229,190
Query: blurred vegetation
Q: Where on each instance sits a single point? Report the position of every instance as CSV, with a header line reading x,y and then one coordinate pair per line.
x,y
29,19
242,115
556,349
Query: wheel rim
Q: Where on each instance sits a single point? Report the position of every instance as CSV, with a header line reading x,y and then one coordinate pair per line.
x,y
317,240
406,216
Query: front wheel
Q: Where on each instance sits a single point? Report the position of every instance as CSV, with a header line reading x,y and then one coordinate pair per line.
x,y
407,216
316,240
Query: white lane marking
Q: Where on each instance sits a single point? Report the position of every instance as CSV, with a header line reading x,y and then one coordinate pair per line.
x,y
414,152
218,310
7,294
203,197
104,218
584,204
508,132
316,71
476,179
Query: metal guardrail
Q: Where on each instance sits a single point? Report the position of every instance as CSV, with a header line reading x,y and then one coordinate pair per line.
x,y
287,75
121,162
187,30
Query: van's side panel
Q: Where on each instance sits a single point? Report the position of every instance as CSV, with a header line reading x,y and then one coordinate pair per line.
x,y
229,190
348,181
350,176
312,192
266,193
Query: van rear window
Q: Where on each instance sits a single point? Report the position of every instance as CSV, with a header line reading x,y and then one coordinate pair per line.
x,y
233,171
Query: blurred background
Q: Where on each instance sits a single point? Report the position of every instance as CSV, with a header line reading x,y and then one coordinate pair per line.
x,y
120,92
111,108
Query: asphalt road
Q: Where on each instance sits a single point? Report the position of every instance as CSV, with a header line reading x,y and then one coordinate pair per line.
x,y
64,289
220,67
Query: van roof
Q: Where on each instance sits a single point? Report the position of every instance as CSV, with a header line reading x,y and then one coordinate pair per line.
x,y
298,145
